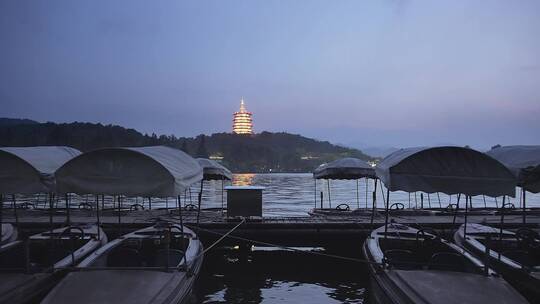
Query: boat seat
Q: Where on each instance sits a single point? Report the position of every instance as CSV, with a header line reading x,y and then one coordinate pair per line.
x,y
175,257
449,261
401,259
520,256
124,257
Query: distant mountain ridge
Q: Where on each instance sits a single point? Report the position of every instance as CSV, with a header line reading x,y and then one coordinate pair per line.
x,y
263,152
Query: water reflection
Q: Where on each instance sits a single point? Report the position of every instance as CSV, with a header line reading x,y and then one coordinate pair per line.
x,y
244,179
279,277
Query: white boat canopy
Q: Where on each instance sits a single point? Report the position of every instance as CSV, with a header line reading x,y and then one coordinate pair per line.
x,y
212,170
30,170
523,161
156,171
451,170
344,168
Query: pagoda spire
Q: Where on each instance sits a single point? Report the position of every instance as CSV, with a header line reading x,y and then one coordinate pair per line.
x,y
242,120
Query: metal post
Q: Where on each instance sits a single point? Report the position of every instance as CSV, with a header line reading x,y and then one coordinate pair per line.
x,y
421,200
502,218
357,195
384,199
322,195
467,198
374,202
199,204
223,199
487,254
386,215
367,192
166,203
67,210
457,208
315,193
429,201
150,203
97,218
15,209
524,209
329,199
409,200
415,201
496,203
119,211
484,198
181,228
439,198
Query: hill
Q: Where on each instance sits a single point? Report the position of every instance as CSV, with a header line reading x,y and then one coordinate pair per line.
x,y
263,152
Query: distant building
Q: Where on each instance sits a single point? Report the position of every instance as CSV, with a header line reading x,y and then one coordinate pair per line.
x,y
242,121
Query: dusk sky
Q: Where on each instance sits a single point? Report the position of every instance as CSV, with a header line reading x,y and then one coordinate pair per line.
x,y
392,73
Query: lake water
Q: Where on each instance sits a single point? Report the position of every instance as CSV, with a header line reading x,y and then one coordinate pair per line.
x,y
277,276
288,194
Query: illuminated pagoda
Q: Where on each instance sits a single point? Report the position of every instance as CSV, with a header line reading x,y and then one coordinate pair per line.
x,y
242,121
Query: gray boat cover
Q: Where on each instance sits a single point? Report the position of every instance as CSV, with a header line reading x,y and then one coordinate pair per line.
x,y
214,170
156,171
450,170
345,168
30,170
523,161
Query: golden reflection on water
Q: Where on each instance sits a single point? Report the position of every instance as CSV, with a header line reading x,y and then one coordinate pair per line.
x,y
245,179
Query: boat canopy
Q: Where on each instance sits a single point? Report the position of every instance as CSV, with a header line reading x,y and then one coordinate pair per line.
x,y
156,171
212,170
450,170
523,161
30,170
345,168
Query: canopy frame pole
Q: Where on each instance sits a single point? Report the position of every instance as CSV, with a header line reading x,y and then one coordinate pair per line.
x,y
409,200
439,198
322,199
367,192
51,227
329,199
383,198
484,198
315,193
415,200
467,198
457,209
357,195
496,203
179,205
199,203
502,219
167,203
523,191
223,198
386,213
119,210
15,214
68,217
150,203
422,200
429,201
98,220
374,202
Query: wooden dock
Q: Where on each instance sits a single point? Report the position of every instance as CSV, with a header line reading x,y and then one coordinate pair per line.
x,y
313,231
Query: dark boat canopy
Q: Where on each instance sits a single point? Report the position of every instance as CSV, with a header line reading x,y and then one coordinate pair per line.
x,y
344,168
450,170
523,161
30,170
212,170
143,171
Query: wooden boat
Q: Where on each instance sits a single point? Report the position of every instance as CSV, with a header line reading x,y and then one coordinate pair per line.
x,y
408,265
29,268
9,234
516,256
158,264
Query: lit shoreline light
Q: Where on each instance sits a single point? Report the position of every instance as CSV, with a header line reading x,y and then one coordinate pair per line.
x,y
242,121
